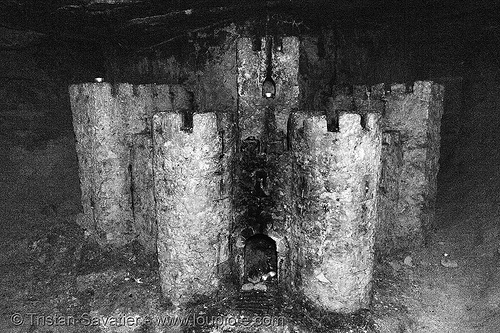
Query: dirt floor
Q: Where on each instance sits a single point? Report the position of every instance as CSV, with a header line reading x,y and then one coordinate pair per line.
x,y
48,271
436,296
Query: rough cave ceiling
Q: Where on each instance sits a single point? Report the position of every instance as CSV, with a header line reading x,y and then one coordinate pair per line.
x,y
136,24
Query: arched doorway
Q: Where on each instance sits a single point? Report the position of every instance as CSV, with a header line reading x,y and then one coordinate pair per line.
x,y
260,258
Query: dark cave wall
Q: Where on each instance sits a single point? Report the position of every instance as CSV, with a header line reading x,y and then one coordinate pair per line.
x,y
352,55
36,134
478,134
205,64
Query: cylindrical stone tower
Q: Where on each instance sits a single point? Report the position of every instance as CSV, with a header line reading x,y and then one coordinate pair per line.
x,y
193,211
336,176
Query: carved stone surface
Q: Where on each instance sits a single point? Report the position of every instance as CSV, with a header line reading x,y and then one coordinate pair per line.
x,y
336,178
415,112
193,215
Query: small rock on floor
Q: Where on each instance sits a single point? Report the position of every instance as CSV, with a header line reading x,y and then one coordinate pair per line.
x,y
260,286
448,263
408,261
247,287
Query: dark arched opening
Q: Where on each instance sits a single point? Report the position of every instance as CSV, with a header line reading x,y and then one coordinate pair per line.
x,y
260,259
